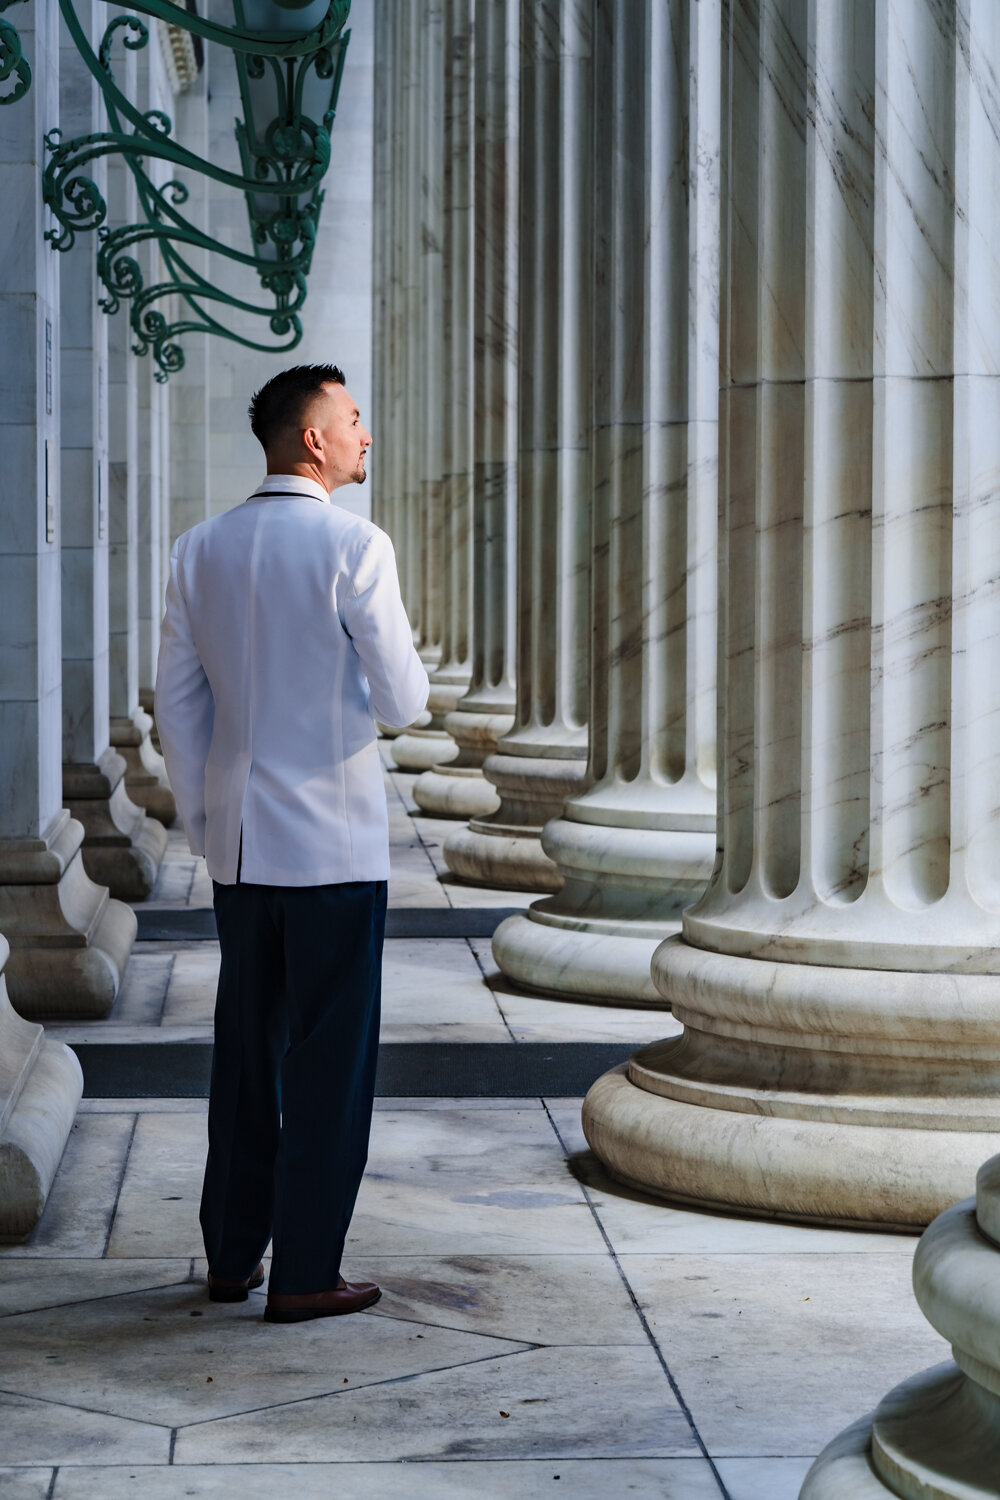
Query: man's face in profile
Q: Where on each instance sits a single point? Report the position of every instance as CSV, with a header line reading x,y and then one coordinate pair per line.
x,y
336,418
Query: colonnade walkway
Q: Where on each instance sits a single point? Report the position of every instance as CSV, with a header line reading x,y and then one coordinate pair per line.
x,y
542,1330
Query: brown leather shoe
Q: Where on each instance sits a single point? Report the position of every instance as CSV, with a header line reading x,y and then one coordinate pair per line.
x,y
300,1307
221,1290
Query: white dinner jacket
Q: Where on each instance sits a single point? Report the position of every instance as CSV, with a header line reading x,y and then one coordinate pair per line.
x,y
284,637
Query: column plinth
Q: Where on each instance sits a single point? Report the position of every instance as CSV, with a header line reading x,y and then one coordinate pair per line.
x,y
505,849
145,773
69,940
122,847
937,1433
40,1087
836,982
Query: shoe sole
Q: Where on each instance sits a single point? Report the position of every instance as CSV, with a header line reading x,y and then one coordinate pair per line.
x,y
308,1314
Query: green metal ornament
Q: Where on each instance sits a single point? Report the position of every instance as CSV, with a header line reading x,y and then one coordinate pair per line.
x,y
289,82
13,63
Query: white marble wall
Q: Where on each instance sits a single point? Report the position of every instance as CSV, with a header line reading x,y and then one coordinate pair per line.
x,y
639,845
839,973
30,619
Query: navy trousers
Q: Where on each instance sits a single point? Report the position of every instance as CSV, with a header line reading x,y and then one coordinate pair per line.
x,y
293,1076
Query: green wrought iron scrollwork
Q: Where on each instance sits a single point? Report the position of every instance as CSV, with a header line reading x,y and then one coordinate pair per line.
x,y
282,167
13,62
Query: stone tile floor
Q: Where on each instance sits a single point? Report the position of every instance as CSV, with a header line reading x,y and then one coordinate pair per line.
x,y
542,1330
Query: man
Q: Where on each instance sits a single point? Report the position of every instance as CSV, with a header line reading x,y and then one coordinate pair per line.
x,y
284,638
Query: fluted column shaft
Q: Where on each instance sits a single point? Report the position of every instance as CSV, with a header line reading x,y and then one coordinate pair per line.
x,y
121,849
639,845
486,712
451,677
446,404
145,774
542,760
828,1068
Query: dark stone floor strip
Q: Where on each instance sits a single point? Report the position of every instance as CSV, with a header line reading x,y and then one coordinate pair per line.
x,y
185,924
414,1070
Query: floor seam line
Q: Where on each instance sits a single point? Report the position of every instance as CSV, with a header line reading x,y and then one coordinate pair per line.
x,y
121,1184
93,1411
493,994
369,1385
643,1320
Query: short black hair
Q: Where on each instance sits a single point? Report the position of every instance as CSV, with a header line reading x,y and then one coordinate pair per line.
x,y
280,402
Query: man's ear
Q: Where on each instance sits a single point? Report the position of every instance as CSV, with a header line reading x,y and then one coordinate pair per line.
x,y
313,442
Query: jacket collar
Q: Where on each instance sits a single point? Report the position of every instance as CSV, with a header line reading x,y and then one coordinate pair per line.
x,y
280,486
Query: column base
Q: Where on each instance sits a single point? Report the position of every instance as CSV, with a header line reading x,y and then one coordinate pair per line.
x,y
447,791
459,789
836,1095
597,963
122,847
624,891
937,1434
420,749
506,858
69,940
147,699
145,774
846,1176
40,1088
390,732
505,850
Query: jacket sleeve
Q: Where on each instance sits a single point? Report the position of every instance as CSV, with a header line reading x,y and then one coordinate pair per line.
x,y
375,619
185,711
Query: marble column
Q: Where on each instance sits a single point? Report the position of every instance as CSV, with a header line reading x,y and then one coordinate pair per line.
x,y
486,712
543,759
837,983
418,748
145,774
384,122
450,679
69,941
938,1433
153,415
122,848
639,845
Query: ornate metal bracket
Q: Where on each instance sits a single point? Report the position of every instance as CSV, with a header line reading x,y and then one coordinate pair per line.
x,y
12,60
282,162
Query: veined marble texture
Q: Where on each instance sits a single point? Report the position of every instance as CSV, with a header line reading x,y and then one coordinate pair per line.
x,y
836,980
859,620
639,845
